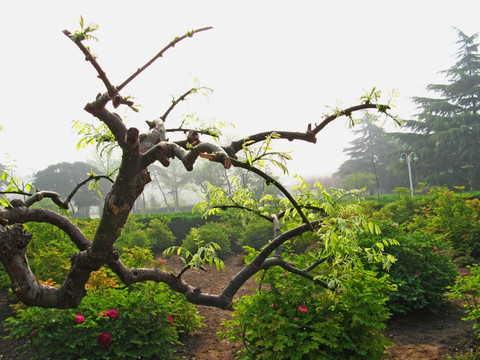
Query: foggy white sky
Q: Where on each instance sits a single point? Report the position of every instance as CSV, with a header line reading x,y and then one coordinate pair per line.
x,y
271,64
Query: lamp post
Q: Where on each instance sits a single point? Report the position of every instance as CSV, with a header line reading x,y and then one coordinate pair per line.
x,y
409,158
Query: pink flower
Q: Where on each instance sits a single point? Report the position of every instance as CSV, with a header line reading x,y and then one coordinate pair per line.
x,y
272,305
434,247
104,339
303,308
79,319
113,314
395,225
286,274
170,320
417,273
328,318
34,334
103,314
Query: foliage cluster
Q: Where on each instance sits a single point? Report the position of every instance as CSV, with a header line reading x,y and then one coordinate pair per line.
x,y
155,236
467,288
422,271
112,322
179,223
292,318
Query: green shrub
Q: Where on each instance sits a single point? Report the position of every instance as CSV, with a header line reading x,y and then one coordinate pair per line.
x,y
145,323
292,318
160,235
210,232
133,234
257,233
422,271
467,289
88,226
137,257
401,211
179,223
49,252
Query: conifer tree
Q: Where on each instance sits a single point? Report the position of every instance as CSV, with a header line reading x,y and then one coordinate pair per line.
x,y
370,153
446,133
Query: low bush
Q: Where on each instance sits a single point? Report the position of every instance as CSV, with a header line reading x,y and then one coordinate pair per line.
x,y
218,233
160,235
143,322
422,272
257,233
292,318
467,289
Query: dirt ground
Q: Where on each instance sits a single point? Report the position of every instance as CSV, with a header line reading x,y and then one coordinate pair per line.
x,y
418,336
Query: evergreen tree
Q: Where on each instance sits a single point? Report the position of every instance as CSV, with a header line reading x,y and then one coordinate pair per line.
x,y
370,153
446,133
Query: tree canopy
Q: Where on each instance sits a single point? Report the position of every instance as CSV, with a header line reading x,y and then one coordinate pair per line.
x,y
62,178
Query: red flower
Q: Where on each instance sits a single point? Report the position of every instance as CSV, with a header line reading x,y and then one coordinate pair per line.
x,y
34,334
104,339
79,319
170,320
113,314
303,308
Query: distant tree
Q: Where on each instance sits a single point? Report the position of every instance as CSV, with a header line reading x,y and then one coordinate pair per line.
x,y
328,181
370,153
212,173
360,180
171,181
446,133
63,177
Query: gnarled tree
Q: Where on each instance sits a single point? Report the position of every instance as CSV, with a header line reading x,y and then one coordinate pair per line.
x,y
139,151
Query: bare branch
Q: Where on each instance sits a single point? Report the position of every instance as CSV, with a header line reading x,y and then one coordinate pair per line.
x,y
160,54
90,58
346,112
223,207
83,182
274,182
22,214
113,121
176,101
315,264
238,145
278,261
256,264
40,195
193,295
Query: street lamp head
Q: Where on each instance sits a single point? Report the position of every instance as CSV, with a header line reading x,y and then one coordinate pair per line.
x,y
402,157
415,158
